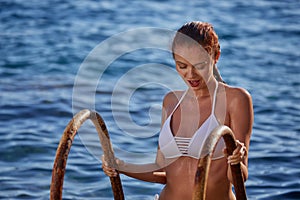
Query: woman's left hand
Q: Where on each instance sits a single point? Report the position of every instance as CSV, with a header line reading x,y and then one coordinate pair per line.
x,y
238,154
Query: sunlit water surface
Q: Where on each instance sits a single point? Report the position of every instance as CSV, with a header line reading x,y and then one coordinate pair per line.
x,y
42,46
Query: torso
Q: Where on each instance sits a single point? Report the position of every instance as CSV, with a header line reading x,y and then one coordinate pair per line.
x,y
189,137
181,175
181,172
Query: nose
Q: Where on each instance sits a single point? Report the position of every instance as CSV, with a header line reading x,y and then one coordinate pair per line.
x,y
191,72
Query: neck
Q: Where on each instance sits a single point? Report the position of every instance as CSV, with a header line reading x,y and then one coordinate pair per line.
x,y
205,91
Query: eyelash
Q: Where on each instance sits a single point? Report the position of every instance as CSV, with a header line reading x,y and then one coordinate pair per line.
x,y
182,66
201,66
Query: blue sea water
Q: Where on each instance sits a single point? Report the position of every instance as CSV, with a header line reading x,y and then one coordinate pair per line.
x,y
44,43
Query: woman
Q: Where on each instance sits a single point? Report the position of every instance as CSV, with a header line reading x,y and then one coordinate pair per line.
x,y
189,116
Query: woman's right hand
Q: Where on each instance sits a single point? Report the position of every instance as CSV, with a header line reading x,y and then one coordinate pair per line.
x,y
110,171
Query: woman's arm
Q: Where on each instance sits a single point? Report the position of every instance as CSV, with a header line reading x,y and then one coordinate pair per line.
x,y
151,172
241,121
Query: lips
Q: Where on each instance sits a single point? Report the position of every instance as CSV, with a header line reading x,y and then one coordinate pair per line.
x,y
194,83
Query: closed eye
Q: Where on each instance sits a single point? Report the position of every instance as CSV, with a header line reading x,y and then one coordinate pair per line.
x,y
200,65
181,65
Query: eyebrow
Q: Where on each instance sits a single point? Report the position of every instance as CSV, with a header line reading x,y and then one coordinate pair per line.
x,y
203,62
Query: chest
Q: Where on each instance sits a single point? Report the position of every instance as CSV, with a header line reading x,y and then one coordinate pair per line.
x,y
189,117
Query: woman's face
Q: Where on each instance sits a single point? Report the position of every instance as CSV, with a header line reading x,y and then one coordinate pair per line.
x,y
194,65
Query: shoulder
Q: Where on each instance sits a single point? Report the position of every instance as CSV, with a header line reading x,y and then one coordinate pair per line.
x,y
240,112
239,105
171,99
237,96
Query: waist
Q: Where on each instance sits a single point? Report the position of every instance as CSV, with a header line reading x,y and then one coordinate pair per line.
x,y
182,168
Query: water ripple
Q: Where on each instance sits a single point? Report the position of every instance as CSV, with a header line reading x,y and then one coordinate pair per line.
x,y
43,44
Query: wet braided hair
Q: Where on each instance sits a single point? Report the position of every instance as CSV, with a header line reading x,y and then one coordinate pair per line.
x,y
203,33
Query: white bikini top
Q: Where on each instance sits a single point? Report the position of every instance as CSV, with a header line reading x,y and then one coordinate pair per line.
x,y
173,147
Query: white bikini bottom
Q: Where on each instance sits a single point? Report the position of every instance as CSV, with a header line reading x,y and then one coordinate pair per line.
x,y
156,197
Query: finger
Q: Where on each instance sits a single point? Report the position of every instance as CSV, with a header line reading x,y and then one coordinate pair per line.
x,y
238,148
239,143
106,169
234,162
235,156
243,151
234,159
238,155
111,172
